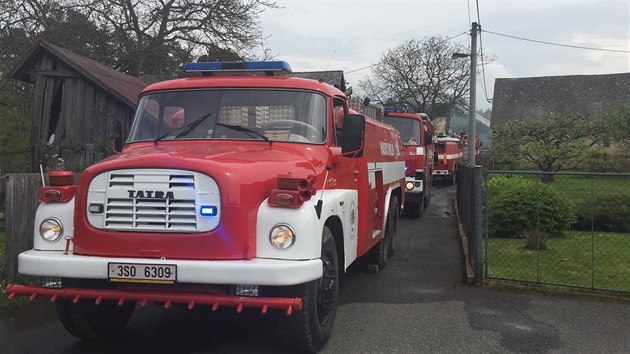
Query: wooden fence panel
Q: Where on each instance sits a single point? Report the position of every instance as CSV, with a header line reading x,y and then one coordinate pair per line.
x,y
21,203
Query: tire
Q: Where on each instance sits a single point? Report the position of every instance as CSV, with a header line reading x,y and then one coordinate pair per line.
x,y
420,207
413,210
86,320
379,254
392,224
452,178
311,327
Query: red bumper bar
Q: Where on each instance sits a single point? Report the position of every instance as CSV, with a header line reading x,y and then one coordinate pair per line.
x,y
191,299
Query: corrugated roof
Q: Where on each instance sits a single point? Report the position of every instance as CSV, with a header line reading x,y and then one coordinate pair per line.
x,y
125,88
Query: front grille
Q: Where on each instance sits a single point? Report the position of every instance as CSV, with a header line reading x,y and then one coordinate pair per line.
x,y
153,200
151,213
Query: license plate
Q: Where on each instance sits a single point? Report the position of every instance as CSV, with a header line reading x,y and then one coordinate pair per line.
x,y
142,273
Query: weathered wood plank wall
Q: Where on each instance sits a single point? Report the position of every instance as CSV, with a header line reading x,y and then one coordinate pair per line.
x,y
85,119
22,190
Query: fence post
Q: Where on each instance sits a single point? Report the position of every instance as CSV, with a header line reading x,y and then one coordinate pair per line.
x,y
477,224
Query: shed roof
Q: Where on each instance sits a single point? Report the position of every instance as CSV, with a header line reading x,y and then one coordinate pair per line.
x,y
537,97
125,88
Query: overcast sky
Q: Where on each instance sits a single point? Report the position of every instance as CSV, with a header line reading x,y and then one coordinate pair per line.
x,y
351,35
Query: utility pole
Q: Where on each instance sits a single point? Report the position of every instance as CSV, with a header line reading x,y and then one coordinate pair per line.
x,y
472,121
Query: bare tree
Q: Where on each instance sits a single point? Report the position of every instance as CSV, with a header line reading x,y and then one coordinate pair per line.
x,y
147,27
557,142
148,36
421,73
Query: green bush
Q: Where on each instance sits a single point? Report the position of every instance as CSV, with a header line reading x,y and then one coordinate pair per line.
x,y
609,213
516,204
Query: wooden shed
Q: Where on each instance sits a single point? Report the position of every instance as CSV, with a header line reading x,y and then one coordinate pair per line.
x,y
76,103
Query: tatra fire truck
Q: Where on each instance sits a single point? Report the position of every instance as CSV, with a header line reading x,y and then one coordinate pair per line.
x,y
234,189
449,151
416,132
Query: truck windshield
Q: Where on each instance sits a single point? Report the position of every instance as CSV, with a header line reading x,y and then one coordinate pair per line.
x,y
409,129
239,114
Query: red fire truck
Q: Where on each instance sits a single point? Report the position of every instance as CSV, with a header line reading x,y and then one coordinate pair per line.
x,y
232,191
449,151
416,132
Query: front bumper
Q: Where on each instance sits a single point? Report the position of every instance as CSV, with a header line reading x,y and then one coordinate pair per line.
x,y
256,271
166,297
441,172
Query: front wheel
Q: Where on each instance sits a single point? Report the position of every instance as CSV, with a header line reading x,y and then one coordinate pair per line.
x,y
86,320
452,178
414,210
311,327
392,224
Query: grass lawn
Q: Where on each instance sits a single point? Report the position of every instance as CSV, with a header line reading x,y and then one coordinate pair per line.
x,y
594,260
583,188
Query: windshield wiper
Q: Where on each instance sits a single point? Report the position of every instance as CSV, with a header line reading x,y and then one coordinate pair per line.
x,y
246,130
185,129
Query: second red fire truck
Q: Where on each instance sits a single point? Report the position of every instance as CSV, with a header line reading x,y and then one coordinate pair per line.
x,y
416,131
449,151
232,191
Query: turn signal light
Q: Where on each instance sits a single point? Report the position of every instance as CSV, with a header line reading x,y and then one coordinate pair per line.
x,y
57,194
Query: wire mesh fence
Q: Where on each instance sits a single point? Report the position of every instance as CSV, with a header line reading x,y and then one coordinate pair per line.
x,y
566,229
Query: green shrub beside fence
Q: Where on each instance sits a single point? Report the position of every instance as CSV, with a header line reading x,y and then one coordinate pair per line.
x,y
517,206
597,257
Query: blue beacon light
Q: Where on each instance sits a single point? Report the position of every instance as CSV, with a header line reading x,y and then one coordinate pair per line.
x,y
237,66
208,210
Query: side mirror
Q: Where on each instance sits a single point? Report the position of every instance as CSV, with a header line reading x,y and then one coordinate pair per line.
x,y
117,141
428,138
353,137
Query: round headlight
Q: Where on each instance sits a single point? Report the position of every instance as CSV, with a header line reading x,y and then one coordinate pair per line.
x,y
409,186
51,230
282,237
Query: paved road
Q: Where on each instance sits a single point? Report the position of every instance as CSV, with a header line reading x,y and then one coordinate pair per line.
x,y
417,304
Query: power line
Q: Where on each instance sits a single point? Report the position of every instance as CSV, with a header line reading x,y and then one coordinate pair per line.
x,y
359,69
478,18
483,65
468,3
557,44
483,69
461,34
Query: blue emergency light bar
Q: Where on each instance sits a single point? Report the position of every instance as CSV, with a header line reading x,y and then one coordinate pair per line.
x,y
237,66
397,109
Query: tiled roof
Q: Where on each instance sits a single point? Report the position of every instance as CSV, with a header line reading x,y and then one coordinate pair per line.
x,y
537,97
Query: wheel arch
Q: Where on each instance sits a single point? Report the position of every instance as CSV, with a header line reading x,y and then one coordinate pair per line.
x,y
336,227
